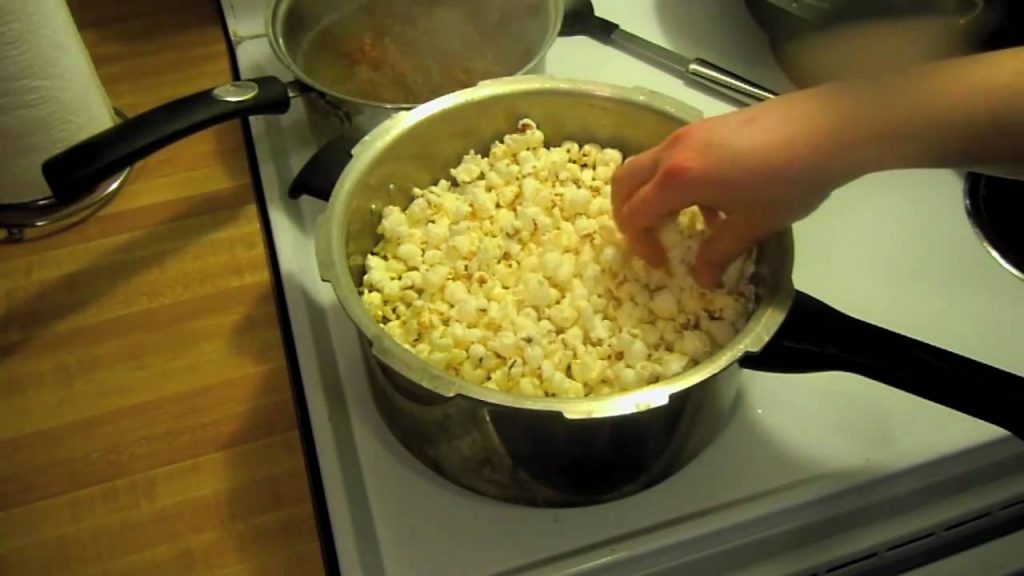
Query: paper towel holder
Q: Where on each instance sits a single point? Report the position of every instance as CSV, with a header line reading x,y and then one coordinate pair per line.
x,y
44,217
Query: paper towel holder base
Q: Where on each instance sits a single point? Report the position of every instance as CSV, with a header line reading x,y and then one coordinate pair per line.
x,y
44,217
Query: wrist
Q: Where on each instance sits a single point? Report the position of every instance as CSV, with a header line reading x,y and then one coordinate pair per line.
x,y
874,129
846,140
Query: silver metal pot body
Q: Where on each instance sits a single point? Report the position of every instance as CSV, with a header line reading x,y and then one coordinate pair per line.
x,y
540,457
534,451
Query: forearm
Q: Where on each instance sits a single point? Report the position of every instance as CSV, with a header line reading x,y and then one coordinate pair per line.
x,y
963,113
769,165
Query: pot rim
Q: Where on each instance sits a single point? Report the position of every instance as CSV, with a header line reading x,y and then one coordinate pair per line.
x,y
331,250
273,22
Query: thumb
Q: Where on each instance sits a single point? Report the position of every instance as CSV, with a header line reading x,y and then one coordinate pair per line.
x,y
728,241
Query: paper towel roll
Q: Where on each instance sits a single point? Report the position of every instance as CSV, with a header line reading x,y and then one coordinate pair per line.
x,y
50,94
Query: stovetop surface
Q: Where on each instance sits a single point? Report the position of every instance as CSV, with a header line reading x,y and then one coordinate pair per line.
x,y
893,248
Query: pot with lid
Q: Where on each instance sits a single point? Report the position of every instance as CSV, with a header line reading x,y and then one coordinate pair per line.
x,y
549,451
361,58
817,41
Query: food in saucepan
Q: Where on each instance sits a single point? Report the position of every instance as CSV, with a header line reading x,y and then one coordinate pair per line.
x,y
512,275
396,51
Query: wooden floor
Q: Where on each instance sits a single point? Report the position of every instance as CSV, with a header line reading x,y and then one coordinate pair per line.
x,y
146,420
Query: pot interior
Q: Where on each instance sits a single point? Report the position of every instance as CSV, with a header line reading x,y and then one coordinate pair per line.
x,y
398,53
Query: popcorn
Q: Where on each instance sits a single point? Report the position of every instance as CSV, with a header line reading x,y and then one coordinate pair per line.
x,y
374,302
393,223
694,344
664,304
635,353
720,331
471,168
563,316
418,212
589,153
672,364
609,158
603,174
391,290
575,201
650,335
411,254
512,275
505,344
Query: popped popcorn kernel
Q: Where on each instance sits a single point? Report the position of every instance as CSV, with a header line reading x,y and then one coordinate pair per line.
x,y
512,275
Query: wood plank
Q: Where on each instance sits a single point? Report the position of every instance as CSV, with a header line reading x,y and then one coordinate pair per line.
x,y
157,489
146,418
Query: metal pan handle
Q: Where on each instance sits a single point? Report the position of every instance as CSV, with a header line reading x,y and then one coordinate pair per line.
x,y
77,170
815,337
722,81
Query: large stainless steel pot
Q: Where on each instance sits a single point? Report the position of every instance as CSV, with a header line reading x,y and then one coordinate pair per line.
x,y
817,41
564,452
361,58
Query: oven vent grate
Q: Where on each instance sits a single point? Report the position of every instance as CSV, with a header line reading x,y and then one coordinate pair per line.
x,y
925,547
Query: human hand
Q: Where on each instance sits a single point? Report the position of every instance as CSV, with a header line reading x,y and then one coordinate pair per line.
x,y
762,167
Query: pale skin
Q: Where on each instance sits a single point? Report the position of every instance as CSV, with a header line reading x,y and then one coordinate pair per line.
x,y
769,165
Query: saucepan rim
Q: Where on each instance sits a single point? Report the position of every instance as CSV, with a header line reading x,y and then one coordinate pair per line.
x,y
775,293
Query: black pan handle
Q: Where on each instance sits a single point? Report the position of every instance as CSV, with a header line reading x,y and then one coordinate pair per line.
x,y
815,337
320,173
76,171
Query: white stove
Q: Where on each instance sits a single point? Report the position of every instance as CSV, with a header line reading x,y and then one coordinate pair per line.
x,y
822,473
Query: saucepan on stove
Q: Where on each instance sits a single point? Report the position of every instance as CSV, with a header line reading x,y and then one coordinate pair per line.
x,y
360,57
554,451
817,41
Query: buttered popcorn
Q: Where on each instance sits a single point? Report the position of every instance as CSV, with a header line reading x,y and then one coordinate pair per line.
x,y
512,275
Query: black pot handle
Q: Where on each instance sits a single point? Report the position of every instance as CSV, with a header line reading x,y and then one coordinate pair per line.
x,y
320,173
76,171
815,337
